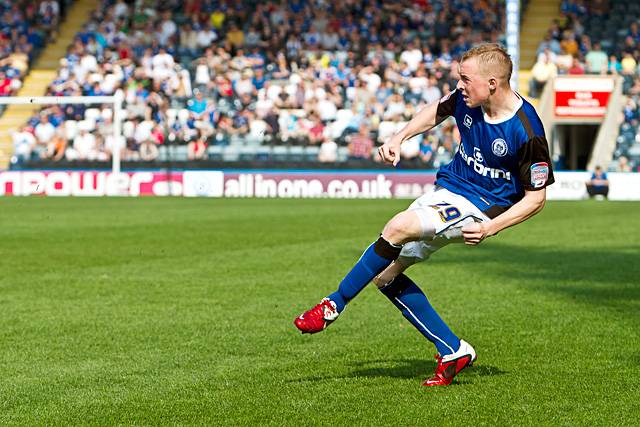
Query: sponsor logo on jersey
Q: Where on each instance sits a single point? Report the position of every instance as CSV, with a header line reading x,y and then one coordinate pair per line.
x,y
468,121
499,147
539,174
477,155
480,168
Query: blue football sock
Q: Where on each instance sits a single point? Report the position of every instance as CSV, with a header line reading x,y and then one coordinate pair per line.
x,y
414,305
373,261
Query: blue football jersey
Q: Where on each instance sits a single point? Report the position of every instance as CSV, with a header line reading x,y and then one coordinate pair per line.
x,y
496,160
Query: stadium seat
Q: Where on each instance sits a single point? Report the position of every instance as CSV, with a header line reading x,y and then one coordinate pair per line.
x,y
247,152
236,140
230,153
163,154
311,153
296,153
177,153
280,153
343,154
263,152
215,152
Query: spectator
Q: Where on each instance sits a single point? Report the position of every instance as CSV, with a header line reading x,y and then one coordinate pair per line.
x,y
597,61
328,151
360,144
5,85
576,67
197,105
614,66
598,185
628,64
316,131
235,36
57,148
205,37
549,43
542,71
44,130
623,165
410,149
197,148
569,44
426,149
24,142
432,93
84,146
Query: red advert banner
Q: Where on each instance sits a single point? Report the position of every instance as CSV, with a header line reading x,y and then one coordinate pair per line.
x,y
581,104
582,96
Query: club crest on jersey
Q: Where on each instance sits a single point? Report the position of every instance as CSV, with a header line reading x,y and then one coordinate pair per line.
x,y
499,147
539,174
468,121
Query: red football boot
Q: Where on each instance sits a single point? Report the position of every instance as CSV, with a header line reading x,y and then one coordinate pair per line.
x,y
450,365
318,318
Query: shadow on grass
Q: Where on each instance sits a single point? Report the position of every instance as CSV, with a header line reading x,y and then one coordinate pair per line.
x,y
610,276
418,369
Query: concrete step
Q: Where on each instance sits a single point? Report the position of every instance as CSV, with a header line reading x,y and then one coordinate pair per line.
x,y
537,31
529,43
538,20
545,9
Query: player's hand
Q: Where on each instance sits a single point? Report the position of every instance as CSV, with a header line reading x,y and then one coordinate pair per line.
x,y
475,233
390,151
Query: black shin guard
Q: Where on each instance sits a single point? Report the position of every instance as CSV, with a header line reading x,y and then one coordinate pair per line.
x,y
396,286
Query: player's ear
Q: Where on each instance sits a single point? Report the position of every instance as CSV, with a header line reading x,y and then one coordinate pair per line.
x,y
493,84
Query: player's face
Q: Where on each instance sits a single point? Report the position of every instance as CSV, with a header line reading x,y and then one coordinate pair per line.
x,y
473,84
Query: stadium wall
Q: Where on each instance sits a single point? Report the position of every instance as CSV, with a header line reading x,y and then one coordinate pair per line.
x,y
268,183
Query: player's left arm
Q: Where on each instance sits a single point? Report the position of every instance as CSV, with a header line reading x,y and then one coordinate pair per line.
x,y
528,206
535,174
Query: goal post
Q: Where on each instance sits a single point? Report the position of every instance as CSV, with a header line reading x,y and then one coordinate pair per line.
x,y
116,100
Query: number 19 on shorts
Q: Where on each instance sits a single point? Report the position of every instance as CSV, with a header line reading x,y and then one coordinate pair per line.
x,y
446,211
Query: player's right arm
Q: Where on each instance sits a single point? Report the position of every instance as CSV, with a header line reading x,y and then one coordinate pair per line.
x,y
425,120
421,122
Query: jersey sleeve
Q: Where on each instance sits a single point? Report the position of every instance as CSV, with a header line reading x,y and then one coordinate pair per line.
x,y
535,164
447,106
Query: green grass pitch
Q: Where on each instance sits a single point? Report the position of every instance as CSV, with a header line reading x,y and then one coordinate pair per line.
x,y
179,311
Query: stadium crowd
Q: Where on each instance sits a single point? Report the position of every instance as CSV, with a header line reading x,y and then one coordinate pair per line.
x,y
597,37
205,74
213,80
24,26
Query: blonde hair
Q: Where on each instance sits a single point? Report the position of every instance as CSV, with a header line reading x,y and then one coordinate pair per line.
x,y
492,59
